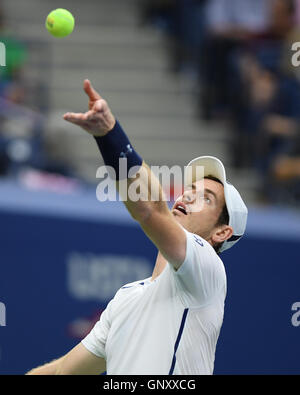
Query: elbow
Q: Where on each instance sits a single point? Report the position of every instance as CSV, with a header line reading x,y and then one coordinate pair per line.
x,y
142,215
145,213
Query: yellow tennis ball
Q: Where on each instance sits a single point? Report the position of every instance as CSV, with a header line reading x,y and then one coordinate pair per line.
x,y
60,22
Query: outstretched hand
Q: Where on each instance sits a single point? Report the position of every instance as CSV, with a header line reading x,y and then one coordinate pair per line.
x,y
99,120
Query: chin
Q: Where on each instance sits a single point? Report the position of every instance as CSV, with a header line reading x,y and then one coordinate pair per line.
x,y
178,218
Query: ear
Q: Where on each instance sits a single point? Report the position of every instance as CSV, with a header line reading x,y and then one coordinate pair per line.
x,y
222,234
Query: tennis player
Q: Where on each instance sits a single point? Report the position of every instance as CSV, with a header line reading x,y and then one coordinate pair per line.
x,y
167,324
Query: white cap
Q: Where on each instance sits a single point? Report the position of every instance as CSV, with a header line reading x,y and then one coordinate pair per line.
x,y
236,208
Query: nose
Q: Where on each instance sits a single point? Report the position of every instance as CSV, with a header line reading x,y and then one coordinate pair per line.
x,y
188,196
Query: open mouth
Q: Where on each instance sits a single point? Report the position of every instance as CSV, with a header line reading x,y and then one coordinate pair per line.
x,y
181,207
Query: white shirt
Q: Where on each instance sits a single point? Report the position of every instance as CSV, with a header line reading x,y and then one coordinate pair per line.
x,y
166,326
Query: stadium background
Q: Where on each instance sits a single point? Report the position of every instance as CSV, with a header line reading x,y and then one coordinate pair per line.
x,y
178,87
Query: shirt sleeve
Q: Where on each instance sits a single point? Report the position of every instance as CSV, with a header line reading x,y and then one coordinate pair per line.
x,y
201,277
95,341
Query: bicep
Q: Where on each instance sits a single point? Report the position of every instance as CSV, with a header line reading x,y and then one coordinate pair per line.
x,y
167,235
80,361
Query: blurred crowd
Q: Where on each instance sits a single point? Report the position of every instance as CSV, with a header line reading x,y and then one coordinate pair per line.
x,y
240,52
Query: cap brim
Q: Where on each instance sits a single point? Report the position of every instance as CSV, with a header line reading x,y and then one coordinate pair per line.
x,y
204,166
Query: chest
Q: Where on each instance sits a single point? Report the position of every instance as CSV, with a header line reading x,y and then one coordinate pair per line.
x,y
142,313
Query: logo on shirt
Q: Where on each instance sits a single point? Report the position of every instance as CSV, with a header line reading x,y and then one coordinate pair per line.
x,y
129,151
198,241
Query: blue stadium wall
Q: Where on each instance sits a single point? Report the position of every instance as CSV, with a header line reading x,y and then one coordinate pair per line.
x,y
64,256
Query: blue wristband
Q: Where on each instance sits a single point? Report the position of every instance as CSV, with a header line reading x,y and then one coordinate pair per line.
x,y
114,146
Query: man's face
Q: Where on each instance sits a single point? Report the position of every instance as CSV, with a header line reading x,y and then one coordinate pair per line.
x,y
200,207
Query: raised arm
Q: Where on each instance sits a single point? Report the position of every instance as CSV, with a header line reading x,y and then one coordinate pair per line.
x,y
153,215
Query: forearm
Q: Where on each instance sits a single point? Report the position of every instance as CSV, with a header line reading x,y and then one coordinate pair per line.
x,y
142,194
49,369
78,361
137,185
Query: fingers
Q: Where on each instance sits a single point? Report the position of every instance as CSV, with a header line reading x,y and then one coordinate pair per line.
x,y
90,91
98,107
72,116
78,117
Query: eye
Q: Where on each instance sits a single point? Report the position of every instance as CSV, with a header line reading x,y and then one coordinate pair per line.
x,y
207,200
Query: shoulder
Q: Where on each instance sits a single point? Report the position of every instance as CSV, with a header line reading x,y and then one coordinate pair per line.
x,y
200,245
202,276
200,253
